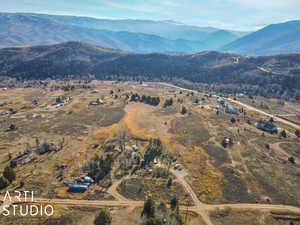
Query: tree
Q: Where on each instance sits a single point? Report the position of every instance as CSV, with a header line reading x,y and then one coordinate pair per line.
x,y
292,160
9,174
3,183
174,203
168,102
233,120
153,221
12,127
103,218
283,134
297,133
170,181
183,110
149,208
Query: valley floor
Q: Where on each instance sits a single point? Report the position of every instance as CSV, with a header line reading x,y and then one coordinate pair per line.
x,y
216,184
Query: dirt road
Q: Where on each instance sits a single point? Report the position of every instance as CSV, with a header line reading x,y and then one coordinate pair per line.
x,y
202,209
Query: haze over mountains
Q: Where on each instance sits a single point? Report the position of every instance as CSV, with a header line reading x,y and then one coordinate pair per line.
x,y
280,38
142,36
279,74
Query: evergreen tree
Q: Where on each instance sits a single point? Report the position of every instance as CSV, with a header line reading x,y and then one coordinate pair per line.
x,y
297,133
283,134
153,221
9,174
170,181
103,218
149,208
183,110
174,203
3,183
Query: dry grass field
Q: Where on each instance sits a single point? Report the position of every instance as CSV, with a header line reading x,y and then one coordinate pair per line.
x,y
255,169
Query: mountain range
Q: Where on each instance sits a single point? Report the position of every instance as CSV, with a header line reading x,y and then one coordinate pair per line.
x,y
141,36
280,38
272,74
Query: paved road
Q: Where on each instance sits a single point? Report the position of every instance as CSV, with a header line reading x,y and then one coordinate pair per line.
x,y
296,126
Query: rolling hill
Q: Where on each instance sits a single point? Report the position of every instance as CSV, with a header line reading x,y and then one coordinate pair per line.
x,y
276,74
280,38
141,36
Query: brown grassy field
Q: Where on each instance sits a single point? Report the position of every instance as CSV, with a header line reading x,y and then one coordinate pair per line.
x,y
246,172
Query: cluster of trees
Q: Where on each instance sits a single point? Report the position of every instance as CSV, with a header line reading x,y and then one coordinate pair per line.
x,y
268,91
154,101
154,214
7,178
99,167
154,149
168,102
218,70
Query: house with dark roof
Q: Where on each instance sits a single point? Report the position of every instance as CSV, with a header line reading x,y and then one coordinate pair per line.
x,y
267,126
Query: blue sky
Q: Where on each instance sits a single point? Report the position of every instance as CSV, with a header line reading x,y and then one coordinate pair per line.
x,y
227,14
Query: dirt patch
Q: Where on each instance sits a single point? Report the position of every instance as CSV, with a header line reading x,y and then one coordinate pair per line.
x,y
235,189
190,130
228,217
139,188
218,154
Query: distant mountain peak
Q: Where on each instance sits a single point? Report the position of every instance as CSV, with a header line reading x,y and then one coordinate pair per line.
x,y
282,38
141,36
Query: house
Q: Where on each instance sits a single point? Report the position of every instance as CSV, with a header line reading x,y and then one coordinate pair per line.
x,y
97,102
267,126
178,167
37,116
227,142
94,92
85,180
20,160
8,112
46,147
221,101
77,188
36,102
232,110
